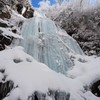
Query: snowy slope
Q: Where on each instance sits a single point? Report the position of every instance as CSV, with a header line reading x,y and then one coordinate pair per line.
x,y
29,76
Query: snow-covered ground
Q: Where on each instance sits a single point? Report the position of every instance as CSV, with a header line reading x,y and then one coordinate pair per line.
x,y
30,76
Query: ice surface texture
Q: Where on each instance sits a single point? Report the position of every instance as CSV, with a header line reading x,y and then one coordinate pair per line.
x,y
49,44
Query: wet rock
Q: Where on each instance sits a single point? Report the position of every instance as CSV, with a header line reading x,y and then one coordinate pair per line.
x,y
19,8
28,13
5,15
1,31
95,88
3,25
14,31
1,6
5,40
5,88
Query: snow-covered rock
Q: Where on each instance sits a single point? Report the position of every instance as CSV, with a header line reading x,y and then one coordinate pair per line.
x,y
32,79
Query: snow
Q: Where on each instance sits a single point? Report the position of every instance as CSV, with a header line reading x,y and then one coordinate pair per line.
x,y
40,14
53,11
8,32
23,10
30,76
85,68
44,5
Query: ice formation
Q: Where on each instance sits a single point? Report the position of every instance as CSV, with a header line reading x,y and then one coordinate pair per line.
x,y
49,44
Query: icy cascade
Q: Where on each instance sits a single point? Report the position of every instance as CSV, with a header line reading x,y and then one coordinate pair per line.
x,y
49,44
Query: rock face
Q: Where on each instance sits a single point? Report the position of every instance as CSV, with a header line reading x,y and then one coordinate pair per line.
x,y
95,88
4,13
28,13
5,40
84,27
5,88
6,7
17,5
13,3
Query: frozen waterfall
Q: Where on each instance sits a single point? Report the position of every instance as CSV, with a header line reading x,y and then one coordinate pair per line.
x,y
49,44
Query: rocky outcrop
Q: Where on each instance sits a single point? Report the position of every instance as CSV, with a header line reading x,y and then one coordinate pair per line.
x,y
18,6
13,3
5,88
4,13
84,27
28,13
21,7
95,88
54,95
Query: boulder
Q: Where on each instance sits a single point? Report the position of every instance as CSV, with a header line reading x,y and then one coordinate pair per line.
x,y
3,25
19,8
28,13
5,88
